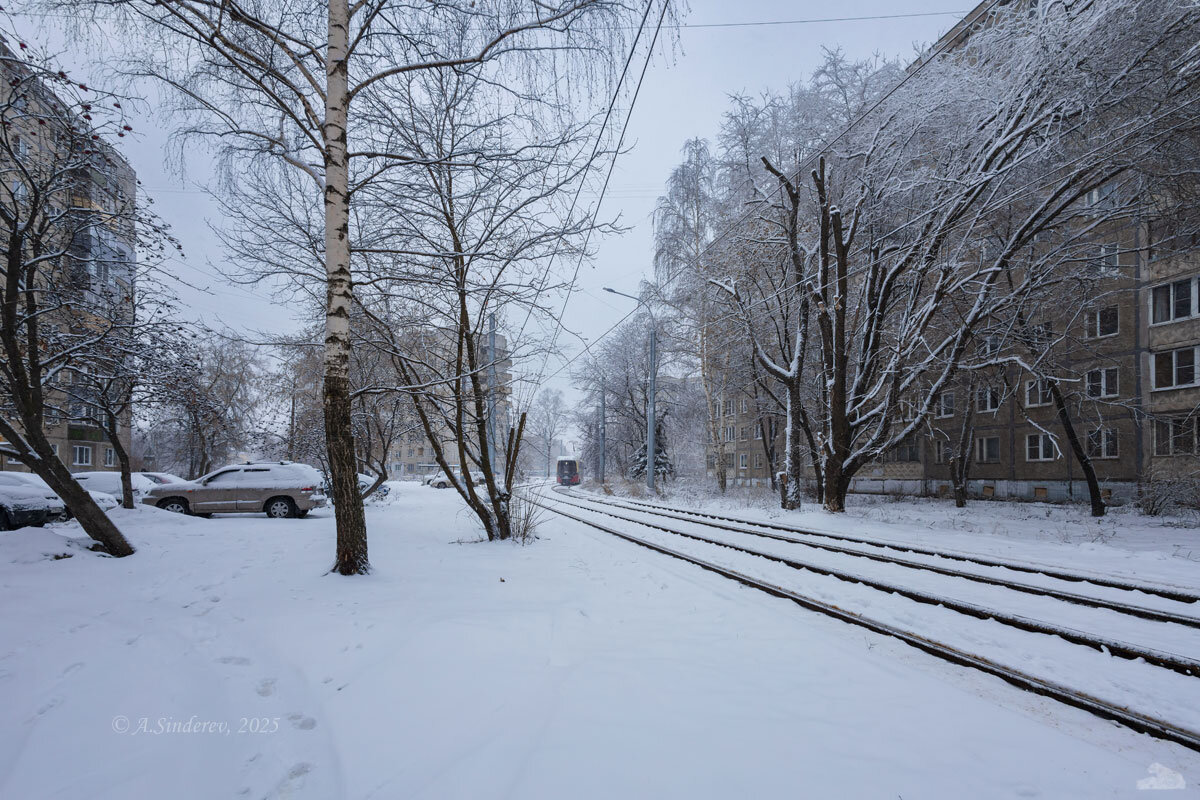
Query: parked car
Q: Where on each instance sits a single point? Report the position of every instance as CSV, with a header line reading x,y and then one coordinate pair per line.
x,y
440,481
58,509
110,483
278,488
23,505
163,477
365,482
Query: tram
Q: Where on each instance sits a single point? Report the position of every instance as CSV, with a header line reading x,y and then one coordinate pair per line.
x,y
568,471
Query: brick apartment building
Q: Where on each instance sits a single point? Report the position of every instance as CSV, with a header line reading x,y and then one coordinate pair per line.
x,y
1126,351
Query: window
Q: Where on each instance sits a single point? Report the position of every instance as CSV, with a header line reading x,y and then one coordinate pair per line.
x,y
1102,322
1098,196
1176,437
943,453
83,455
945,404
745,434
758,431
716,408
1037,393
1039,336
758,460
987,398
987,449
226,477
745,405
729,459
1040,447
1102,443
742,460
729,433
110,457
1172,301
1102,382
991,344
728,407
1107,260
410,452
905,451
1175,368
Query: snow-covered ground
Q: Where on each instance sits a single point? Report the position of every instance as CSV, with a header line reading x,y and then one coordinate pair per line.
x,y
580,666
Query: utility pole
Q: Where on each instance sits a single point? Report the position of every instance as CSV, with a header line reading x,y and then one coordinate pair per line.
x,y
603,423
651,453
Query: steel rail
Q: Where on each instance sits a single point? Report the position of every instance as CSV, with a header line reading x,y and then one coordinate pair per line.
x,y
1142,612
1171,661
1074,577
1142,723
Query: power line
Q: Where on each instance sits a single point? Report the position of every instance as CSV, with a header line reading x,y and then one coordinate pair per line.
x,y
596,209
814,21
925,61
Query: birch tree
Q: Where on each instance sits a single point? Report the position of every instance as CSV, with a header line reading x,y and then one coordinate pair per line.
x,y
283,85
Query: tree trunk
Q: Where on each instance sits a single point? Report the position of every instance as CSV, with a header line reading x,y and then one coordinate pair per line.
x,y
111,431
351,556
1085,463
793,490
958,479
836,486
45,465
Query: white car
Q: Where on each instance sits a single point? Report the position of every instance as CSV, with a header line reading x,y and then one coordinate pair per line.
x,y
440,481
58,508
110,483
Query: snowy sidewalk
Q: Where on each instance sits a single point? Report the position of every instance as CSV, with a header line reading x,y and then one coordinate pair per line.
x,y
579,666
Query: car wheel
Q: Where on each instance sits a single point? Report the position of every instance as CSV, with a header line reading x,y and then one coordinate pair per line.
x,y
176,505
280,508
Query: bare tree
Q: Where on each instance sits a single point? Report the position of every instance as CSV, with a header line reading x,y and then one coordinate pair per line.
x,y
292,90
881,237
57,258
547,422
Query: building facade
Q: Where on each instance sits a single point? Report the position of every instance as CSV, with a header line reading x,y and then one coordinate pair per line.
x,y
95,279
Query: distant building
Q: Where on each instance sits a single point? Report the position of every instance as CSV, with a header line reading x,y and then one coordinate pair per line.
x,y
413,457
100,261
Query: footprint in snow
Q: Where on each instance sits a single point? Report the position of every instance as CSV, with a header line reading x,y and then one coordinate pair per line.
x,y
266,687
237,661
78,665
301,722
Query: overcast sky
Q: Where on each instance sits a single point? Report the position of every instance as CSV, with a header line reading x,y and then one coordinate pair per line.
x,y
684,94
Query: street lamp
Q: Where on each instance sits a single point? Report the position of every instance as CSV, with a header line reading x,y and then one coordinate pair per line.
x,y
651,454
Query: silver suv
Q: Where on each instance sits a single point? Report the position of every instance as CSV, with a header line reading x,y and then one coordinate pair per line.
x,y
278,488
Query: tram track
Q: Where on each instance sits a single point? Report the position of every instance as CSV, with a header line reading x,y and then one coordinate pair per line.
x,y
1122,713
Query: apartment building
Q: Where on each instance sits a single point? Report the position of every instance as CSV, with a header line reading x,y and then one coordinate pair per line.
x,y
96,199
1121,344
413,456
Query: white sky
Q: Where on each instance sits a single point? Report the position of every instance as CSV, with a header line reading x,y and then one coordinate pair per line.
x,y
684,95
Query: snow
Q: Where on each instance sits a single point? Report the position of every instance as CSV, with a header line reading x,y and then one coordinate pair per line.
x,y
579,666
